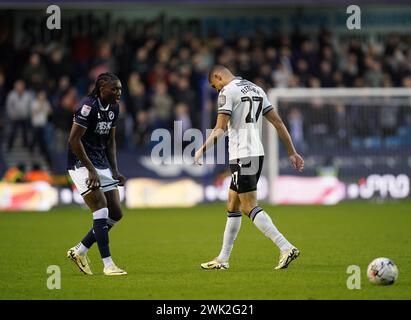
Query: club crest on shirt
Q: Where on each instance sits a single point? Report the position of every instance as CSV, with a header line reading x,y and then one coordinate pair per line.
x,y
111,115
85,110
221,100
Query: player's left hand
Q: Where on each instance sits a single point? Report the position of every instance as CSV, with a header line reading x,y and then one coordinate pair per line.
x,y
297,161
198,155
118,176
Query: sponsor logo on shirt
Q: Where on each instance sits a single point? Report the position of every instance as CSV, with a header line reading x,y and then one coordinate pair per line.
x,y
103,127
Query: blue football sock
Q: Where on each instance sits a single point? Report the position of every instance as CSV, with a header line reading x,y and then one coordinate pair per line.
x,y
90,238
100,229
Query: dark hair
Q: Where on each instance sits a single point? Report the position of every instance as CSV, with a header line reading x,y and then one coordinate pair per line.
x,y
102,79
21,166
36,166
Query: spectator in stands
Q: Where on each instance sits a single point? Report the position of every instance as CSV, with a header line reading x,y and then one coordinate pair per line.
x,y
141,63
327,168
184,94
388,117
326,76
18,112
162,104
341,125
302,72
320,120
3,94
104,61
349,68
142,129
327,54
182,115
37,174
3,91
40,111
158,73
309,54
58,66
295,121
338,79
35,73
281,76
124,131
15,174
265,74
62,86
63,117
373,76
244,68
137,99
271,56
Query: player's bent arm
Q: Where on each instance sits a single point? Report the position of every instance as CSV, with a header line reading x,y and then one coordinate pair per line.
x,y
76,133
218,131
274,118
112,149
111,153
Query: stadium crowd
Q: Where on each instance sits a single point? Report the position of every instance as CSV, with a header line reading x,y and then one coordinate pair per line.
x,y
166,79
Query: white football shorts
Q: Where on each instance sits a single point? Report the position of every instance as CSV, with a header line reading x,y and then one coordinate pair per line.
x,y
80,176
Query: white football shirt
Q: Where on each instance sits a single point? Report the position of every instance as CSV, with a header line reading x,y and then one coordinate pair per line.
x,y
246,103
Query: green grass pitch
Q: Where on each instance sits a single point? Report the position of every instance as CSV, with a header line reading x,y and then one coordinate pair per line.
x,y
161,250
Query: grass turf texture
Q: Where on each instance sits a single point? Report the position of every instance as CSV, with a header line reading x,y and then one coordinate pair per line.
x,y
162,249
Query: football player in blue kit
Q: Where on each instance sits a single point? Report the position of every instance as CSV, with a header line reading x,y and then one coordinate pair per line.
x,y
92,165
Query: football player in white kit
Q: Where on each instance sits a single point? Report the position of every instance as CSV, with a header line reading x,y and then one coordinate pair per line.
x,y
241,107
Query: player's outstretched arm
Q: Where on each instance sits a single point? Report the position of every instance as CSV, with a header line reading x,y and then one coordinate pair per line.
x,y
218,131
76,133
111,153
274,118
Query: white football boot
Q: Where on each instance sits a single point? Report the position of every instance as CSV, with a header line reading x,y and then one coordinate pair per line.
x,y
113,270
215,264
286,257
82,262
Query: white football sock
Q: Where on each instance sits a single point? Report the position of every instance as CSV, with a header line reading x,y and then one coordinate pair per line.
x,y
232,227
82,249
108,262
264,223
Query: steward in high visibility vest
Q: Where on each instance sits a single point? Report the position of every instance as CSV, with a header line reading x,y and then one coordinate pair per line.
x,y
14,174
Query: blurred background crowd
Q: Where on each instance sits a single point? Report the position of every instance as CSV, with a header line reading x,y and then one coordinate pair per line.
x,y
165,79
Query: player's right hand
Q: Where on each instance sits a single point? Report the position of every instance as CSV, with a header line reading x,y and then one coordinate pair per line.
x,y
93,181
297,162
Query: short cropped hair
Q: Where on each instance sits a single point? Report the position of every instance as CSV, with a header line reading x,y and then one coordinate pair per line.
x,y
215,69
